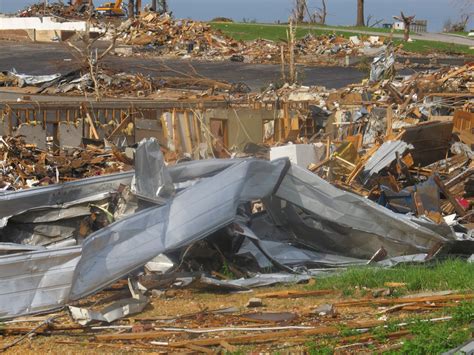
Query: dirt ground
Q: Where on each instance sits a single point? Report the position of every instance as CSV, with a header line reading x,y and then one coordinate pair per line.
x,y
191,309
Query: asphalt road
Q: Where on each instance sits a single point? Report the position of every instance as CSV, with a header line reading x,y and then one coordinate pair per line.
x,y
40,58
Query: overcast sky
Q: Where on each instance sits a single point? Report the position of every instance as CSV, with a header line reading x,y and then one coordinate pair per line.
x,y
340,12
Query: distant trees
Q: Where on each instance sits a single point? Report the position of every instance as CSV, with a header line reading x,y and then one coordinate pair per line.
x,y
360,13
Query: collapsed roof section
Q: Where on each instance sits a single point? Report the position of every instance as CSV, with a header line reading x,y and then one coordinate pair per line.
x,y
339,227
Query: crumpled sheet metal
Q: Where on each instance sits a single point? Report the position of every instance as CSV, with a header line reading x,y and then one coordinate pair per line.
x,y
347,224
13,248
243,284
191,215
16,202
287,254
121,247
381,65
36,281
43,280
383,157
152,179
25,79
109,314
117,310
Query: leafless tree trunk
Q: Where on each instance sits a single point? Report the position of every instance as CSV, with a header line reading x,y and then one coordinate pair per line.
x,y
324,13
464,20
90,56
154,5
131,8
360,13
164,5
321,14
291,34
298,12
407,21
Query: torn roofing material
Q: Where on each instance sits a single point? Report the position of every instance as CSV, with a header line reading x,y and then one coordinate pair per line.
x,y
383,157
343,223
191,215
16,202
105,257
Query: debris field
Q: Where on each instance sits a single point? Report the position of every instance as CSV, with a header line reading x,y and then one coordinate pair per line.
x,y
184,214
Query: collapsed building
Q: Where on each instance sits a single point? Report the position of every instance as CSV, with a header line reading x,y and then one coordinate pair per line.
x,y
167,181
372,191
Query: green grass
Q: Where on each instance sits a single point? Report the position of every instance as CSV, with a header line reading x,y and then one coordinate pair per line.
x,y
464,34
360,28
252,31
426,337
452,274
420,46
435,338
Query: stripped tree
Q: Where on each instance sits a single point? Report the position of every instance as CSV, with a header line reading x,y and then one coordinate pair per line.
x,y
299,10
360,13
89,54
321,14
407,21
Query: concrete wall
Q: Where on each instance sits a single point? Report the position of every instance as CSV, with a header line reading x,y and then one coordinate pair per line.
x,y
40,29
69,134
33,134
17,35
41,24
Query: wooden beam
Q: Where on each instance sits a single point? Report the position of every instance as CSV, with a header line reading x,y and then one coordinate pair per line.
x,y
457,207
120,127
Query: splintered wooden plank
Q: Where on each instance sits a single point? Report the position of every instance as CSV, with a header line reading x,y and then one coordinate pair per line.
x,y
387,301
457,207
295,294
275,336
119,127
134,336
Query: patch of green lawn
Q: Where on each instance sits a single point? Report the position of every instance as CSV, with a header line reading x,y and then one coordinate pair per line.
x,y
252,31
451,274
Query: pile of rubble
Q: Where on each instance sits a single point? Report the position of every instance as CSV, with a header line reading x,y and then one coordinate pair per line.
x,y
56,9
25,166
385,177
178,37
188,38
118,84
405,143
169,228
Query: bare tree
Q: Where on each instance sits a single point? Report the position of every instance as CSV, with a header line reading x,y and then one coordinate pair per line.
x,y
360,13
89,55
466,12
131,8
299,10
369,20
291,35
321,13
407,21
